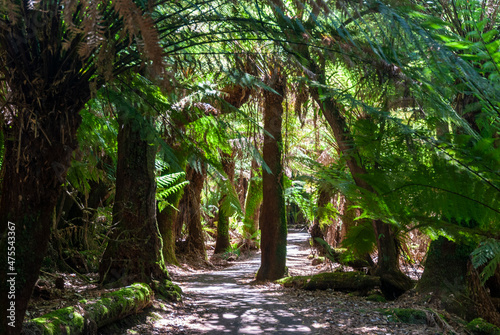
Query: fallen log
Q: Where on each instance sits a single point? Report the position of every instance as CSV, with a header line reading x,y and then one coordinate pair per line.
x,y
340,281
86,317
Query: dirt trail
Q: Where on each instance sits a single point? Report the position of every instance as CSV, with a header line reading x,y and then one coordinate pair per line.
x,y
227,303
224,302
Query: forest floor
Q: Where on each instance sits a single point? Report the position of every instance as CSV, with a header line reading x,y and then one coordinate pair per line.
x,y
220,297
225,301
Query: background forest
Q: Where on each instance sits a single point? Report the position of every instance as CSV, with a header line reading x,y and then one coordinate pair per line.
x,y
136,133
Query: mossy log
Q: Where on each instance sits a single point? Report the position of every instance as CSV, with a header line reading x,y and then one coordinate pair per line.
x,y
340,281
86,317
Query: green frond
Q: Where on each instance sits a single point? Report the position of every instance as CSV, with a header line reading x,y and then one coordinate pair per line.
x,y
487,254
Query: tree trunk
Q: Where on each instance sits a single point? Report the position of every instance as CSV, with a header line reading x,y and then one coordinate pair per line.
x,y
253,202
273,217
315,230
166,225
450,279
338,281
39,142
167,218
134,252
190,211
222,242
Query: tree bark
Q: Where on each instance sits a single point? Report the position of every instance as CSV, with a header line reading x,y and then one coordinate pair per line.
x,y
253,203
315,230
166,225
190,211
273,217
39,142
222,242
450,279
134,252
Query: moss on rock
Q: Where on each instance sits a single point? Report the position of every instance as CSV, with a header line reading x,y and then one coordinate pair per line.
x,y
479,326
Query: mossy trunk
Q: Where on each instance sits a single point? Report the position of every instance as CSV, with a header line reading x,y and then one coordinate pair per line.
x,y
449,278
166,225
190,211
167,218
134,251
86,317
339,281
273,217
222,242
348,216
324,198
253,201
38,146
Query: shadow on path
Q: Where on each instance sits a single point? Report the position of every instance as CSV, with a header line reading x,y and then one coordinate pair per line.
x,y
226,303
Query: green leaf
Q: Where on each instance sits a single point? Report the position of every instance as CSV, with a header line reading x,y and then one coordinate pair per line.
x,y
489,67
490,35
459,45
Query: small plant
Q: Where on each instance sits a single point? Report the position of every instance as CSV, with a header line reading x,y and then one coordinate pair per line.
x,y
376,297
232,253
406,315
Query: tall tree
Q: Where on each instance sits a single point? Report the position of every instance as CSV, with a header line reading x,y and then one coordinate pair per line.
x,y
134,251
222,242
190,210
253,202
273,217
394,282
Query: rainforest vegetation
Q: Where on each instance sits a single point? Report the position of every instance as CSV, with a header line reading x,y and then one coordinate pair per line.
x,y
138,134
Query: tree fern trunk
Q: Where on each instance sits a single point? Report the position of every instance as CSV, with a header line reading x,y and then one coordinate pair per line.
x,y
253,203
134,252
166,225
190,211
222,242
38,148
273,216
315,230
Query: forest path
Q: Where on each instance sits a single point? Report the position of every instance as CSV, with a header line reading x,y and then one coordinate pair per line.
x,y
225,301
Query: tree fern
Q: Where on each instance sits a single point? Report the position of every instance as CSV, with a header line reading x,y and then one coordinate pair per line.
x,y
167,185
487,254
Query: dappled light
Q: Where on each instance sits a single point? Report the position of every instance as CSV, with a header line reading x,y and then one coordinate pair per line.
x,y
249,167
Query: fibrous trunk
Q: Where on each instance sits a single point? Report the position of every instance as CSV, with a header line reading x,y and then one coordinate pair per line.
x,y
315,230
190,211
134,252
222,242
253,203
394,282
273,217
39,142
450,279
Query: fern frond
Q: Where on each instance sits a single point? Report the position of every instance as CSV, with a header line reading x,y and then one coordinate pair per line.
x,y
487,254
